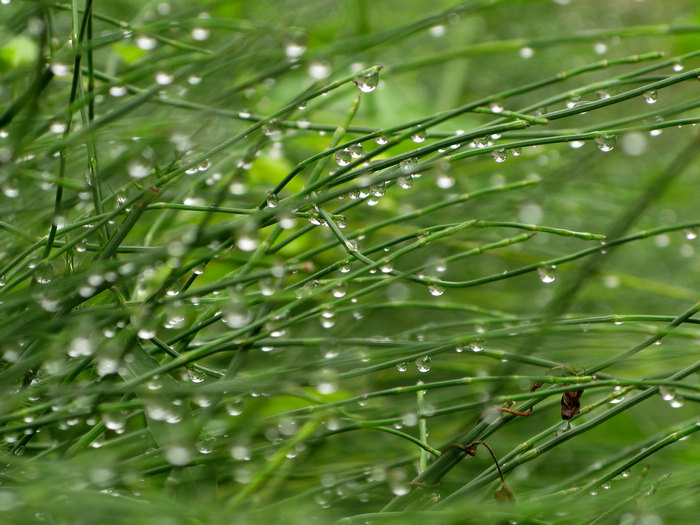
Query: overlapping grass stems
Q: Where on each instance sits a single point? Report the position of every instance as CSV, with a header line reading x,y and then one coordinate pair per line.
x,y
181,236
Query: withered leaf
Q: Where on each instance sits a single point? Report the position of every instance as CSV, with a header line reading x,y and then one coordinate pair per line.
x,y
504,494
571,404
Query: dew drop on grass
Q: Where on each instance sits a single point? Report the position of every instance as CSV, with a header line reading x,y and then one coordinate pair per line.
x,y
356,151
405,183
419,136
499,155
235,407
423,364
437,31
381,140
678,67
435,290
343,157
319,70
368,82
79,347
272,200
339,291
177,455
200,34
146,43
476,346
605,143
138,170
691,233
547,273
667,393
516,152
650,97
164,79
44,273
526,52
408,166
246,242
625,473
496,107
402,367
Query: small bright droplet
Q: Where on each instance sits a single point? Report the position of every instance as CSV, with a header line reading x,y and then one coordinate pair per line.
x,y
547,273
146,42
605,143
367,82
650,97
419,136
526,52
164,79
435,290
200,34
691,233
272,200
319,70
117,91
496,108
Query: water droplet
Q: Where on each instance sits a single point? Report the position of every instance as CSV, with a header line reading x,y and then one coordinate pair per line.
x,y
177,455
618,398
435,290
236,314
367,82
272,200
164,79
402,367
516,152
326,382
678,67
419,136
405,182
339,291
381,140
437,31
667,393
146,42
547,273
600,48
319,70
526,52
499,155
343,157
138,170
691,233
408,166
477,346
496,108
44,273
605,143
60,70
80,346
650,97
200,34
424,363
235,407
356,150
246,242
273,129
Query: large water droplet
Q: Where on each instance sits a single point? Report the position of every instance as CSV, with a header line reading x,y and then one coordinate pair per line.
x,y
343,157
650,97
424,363
367,82
499,155
605,143
547,273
